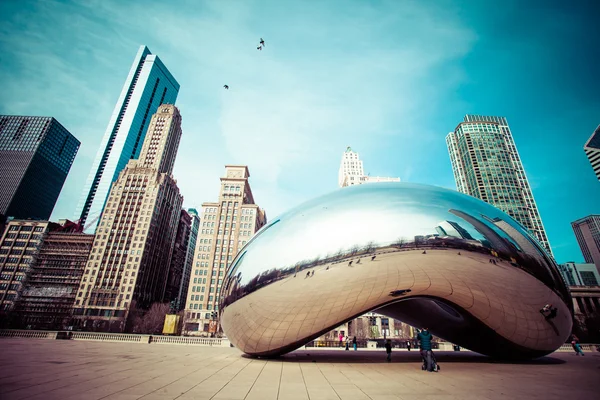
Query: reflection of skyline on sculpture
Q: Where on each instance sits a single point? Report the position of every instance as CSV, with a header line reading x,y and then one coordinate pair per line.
x,y
433,241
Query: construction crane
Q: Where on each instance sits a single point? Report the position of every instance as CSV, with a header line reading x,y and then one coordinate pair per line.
x,y
77,226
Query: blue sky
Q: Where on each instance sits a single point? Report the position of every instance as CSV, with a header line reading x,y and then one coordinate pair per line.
x,y
389,78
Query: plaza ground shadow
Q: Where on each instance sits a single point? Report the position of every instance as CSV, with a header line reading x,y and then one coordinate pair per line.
x,y
379,356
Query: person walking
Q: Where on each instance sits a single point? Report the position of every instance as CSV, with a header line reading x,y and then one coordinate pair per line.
x,y
347,343
576,345
388,350
354,343
341,338
408,345
424,338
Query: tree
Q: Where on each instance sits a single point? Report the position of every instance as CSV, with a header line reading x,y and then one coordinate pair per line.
x,y
153,320
398,243
360,328
369,247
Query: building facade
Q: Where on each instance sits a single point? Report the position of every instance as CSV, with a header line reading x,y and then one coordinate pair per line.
x,y
352,171
578,274
177,267
47,299
226,227
129,263
486,165
148,85
189,259
587,232
19,249
592,151
36,154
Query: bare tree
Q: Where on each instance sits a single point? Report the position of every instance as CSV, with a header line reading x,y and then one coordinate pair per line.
x,y
369,247
353,250
398,243
153,320
360,328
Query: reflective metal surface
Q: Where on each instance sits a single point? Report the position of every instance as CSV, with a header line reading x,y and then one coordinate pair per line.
x,y
444,260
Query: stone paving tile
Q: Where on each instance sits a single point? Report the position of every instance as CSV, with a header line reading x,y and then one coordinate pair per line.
x,y
74,370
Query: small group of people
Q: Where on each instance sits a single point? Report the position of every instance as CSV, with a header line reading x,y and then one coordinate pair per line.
x,y
309,274
348,341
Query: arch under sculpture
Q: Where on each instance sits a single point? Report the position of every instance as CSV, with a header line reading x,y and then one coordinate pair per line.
x,y
444,260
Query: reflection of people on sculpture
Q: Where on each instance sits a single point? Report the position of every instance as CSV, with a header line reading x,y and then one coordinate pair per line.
x,y
313,273
549,312
350,263
358,262
424,252
307,274
373,258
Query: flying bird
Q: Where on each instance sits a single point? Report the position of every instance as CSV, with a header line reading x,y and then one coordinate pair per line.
x,y
262,42
259,48
226,87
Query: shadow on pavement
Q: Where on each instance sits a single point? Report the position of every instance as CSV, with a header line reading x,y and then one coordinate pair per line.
x,y
375,357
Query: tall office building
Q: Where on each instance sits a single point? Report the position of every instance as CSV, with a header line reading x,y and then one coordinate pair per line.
x,y
129,263
587,232
189,258
226,227
352,171
180,248
486,165
592,151
47,299
19,247
36,154
148,85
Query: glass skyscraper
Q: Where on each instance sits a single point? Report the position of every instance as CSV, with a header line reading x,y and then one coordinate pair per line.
x,y
592,151
36,154
148,85
486,165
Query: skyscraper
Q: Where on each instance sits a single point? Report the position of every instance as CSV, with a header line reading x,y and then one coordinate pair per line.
x,y
47,299
226,227
352,171
36,154
587,232
592,151
180,248
148,85
129,263
19,247
486,165
189,258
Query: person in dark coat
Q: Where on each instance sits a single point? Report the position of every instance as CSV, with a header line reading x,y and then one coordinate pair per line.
x,y
354,344
425,344
388,349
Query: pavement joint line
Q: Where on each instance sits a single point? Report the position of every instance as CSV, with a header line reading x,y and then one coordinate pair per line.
x,y
280,375
231,380
149,379
355,385
257,376
214,373
330,385
304,380
194,371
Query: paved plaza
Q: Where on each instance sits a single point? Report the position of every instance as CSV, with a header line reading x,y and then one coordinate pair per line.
x,y
57,369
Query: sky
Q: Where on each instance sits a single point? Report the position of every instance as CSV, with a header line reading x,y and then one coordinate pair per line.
x,y
389,78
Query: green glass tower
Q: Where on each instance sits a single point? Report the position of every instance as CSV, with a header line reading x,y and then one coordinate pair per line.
x,y
486,165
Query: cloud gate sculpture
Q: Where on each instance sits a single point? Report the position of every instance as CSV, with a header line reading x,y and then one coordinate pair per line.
x,y
443,260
